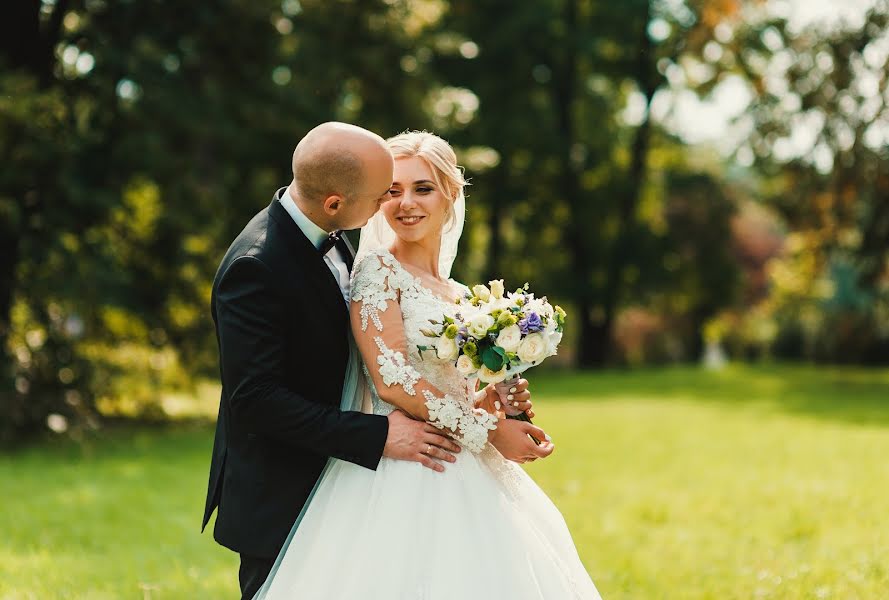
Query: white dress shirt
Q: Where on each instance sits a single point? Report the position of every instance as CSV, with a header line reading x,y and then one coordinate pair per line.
x,y
335,262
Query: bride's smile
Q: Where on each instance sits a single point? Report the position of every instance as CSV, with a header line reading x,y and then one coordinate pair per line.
x,y
418,208
411,220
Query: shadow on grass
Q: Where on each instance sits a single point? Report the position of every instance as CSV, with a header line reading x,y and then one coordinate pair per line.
x,y
849,394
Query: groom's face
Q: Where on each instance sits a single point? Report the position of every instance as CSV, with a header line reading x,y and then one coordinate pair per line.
x,y
373,192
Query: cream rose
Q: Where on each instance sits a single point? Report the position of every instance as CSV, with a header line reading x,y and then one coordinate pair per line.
x,y
554,339
533,348
501,303
465,366
446,348
482,292
486,375
496,288
479,325
510,338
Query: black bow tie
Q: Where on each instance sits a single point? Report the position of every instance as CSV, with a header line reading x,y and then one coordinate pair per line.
x,y
330,241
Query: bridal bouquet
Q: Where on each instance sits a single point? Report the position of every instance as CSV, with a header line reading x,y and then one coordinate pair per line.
x,y
496,336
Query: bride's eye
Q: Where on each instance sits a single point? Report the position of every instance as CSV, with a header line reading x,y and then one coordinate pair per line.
x,y
424,189
393,192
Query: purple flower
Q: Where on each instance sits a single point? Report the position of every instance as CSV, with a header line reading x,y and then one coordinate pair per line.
x,y
531,323
462,336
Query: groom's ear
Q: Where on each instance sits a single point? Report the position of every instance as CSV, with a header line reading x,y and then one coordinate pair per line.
x,y
332,204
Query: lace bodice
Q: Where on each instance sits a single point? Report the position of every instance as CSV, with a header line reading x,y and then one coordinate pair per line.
x,y
393,306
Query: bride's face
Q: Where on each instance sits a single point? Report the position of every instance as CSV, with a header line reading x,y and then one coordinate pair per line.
x,y
418,208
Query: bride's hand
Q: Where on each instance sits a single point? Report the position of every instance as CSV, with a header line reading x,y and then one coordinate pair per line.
x,y
503,399
512,441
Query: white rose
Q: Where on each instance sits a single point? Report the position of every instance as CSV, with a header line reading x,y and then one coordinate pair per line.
x,y
486,375
501,303
479,325
510,338
554,339
533,348
534,305
482,292
465,366
446,348
550,326
496,288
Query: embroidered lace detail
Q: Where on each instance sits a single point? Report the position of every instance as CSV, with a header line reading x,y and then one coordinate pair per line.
x,y
378,279
509,474
394,369
380,406
375,281
470,424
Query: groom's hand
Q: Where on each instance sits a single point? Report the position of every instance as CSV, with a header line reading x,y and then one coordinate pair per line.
x,y
512,441
418,441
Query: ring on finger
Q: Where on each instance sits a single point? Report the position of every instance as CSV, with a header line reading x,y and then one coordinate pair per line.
x,y
429,449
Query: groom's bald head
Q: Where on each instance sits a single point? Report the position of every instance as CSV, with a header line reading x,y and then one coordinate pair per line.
x,y
341,175
337,159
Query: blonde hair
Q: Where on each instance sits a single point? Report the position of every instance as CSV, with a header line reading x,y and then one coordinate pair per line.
x,y
440,157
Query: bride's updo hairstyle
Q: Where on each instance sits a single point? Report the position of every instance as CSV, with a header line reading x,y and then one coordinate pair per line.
x,y
441,159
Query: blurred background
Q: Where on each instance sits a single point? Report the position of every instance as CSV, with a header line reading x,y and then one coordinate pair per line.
x,y
702,184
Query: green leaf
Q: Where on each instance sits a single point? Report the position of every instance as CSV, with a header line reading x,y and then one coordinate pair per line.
x,y
493,358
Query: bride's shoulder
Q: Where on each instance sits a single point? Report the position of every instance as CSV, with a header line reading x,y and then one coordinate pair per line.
x,y
380,268
375,260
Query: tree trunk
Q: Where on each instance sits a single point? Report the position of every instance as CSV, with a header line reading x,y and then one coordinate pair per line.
x,y
19,50
9,249
26,48
591,344
635,178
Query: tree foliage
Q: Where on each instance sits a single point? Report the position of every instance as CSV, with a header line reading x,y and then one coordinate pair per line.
x,y
140,136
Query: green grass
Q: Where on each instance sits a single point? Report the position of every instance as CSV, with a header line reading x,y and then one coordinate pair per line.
x,y
765,482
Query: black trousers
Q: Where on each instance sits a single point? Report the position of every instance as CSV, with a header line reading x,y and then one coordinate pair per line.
x,y
253,574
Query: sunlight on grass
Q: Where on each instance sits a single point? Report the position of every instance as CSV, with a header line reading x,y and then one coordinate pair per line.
x,y
744,484
765,482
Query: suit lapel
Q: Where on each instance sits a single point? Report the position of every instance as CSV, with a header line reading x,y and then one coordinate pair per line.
x,y
350,259
309,257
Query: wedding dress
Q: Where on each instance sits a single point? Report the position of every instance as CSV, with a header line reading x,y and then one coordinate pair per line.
x,y
481,530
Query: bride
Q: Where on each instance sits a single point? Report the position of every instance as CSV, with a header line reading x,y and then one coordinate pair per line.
x,y
480,530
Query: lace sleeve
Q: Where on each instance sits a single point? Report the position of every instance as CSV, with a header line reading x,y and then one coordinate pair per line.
x,y
377,284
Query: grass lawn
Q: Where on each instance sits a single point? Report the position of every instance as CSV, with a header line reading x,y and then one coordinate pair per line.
x,y
756,482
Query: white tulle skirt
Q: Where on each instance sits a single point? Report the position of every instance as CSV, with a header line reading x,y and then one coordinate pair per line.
x,y
481,530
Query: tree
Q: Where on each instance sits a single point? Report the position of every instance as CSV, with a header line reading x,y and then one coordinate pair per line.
x,y
144,137
569,169
818,140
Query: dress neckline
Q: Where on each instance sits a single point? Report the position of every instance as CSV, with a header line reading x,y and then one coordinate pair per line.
x,y
419,282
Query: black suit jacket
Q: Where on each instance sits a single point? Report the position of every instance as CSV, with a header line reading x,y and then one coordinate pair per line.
x,y
281,325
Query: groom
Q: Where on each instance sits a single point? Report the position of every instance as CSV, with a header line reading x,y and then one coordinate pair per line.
x,y
280,306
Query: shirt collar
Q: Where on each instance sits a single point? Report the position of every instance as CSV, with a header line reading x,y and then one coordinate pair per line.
x,y
315,234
